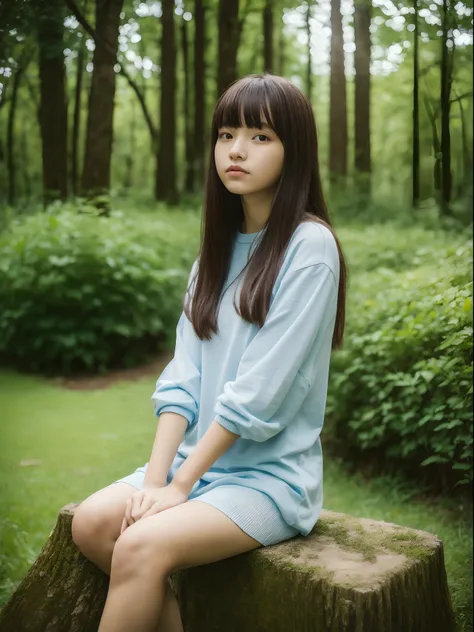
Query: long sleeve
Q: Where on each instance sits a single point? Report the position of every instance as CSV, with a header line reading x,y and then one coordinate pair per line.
x,y
269,388
179,386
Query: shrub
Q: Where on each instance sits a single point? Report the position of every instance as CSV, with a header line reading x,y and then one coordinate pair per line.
x,y
86,293
401,388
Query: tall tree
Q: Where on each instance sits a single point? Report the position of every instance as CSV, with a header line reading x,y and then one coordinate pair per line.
x,y
446,77
188,141
416,111
53,105
199,141
309,64
267,18
281,48
11,163
77,112
99,134
338,100
165,181
228,43
362,165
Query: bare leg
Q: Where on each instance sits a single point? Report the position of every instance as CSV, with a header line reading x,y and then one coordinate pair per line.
x,y
100,552
170,620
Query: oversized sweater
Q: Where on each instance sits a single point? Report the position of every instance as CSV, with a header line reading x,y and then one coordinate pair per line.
x,y
267,384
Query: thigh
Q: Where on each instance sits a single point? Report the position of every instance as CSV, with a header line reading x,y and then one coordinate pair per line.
x,y
191,534
103,510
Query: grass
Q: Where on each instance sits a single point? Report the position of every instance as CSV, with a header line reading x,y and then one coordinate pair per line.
x,y
85,440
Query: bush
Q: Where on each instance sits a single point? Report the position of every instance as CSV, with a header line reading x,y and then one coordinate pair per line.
x,y
86,293
401,388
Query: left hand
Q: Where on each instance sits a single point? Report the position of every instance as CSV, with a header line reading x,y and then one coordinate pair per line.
x,y
164,498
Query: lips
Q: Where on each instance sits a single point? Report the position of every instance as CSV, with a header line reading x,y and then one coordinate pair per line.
x,y
235,169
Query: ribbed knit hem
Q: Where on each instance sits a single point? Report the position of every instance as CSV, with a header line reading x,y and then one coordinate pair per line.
x,y
251,510
229,425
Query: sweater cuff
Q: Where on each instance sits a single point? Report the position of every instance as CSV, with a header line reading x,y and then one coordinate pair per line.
x,y
229,425
184,412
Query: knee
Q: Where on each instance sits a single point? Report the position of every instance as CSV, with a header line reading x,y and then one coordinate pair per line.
x,y
87,527
136,552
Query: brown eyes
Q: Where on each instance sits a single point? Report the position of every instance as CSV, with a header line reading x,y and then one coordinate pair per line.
x,y
222,135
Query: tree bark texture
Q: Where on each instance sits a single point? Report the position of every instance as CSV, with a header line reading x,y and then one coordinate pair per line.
x,y
77,118
267,16
229,35
11,163
445,100
349,574
188,140
199,139
99,134
416,112
338,101
362,16
309,62
165,181
53,105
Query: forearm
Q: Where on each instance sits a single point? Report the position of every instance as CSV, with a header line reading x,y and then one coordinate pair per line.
x,y
215,442
170,433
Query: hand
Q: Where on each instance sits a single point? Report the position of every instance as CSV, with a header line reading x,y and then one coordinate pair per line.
x,y
152,500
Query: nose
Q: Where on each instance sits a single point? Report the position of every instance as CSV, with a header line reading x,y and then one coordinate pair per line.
x,y
237,150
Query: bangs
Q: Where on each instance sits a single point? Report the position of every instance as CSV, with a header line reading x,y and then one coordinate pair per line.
x,y
244,104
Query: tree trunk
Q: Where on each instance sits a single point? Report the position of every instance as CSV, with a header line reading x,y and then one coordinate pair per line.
x,y
130,157
362,165
77,113
338,103
25,160
53,106
416,113
199,139
99,134
11,165
281,48
309,69
188,140
436,146
445,101
267,16
347,574
229,34
165,183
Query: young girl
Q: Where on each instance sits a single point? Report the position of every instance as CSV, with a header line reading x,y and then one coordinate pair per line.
x,y
236,462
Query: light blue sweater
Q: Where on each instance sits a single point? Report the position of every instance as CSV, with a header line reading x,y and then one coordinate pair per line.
x,y
267,384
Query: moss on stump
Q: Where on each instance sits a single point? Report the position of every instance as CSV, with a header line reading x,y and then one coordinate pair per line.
x,y
350,574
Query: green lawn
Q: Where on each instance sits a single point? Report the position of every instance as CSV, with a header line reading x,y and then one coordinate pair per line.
x,y
87,439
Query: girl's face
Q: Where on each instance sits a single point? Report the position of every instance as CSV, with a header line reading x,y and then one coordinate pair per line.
x,y
259,152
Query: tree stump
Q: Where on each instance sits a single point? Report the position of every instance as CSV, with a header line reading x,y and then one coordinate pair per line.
x,y
350,574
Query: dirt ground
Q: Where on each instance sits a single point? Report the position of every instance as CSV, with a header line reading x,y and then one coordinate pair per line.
x,y
90,383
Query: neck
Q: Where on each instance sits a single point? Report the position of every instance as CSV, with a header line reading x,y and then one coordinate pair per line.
x,y
256,208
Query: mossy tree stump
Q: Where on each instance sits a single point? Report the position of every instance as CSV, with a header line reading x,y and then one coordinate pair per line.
x,y
349,574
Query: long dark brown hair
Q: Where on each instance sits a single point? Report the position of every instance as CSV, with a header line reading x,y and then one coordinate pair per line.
x,y
298,197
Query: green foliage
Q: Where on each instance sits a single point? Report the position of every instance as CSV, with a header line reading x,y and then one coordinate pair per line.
x,y
84,292
401,388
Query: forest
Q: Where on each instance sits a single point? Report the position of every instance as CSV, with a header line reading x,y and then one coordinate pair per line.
x,y
101,98
105,120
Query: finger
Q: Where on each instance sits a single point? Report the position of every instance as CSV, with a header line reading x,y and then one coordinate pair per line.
x,y
124,525
128,507
137,500
154,509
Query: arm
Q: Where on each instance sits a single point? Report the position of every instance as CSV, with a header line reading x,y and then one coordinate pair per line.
x,y
301,318
255,403
212,445
176,399
170,433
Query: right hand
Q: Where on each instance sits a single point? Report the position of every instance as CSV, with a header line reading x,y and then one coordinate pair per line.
x,y
138,504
